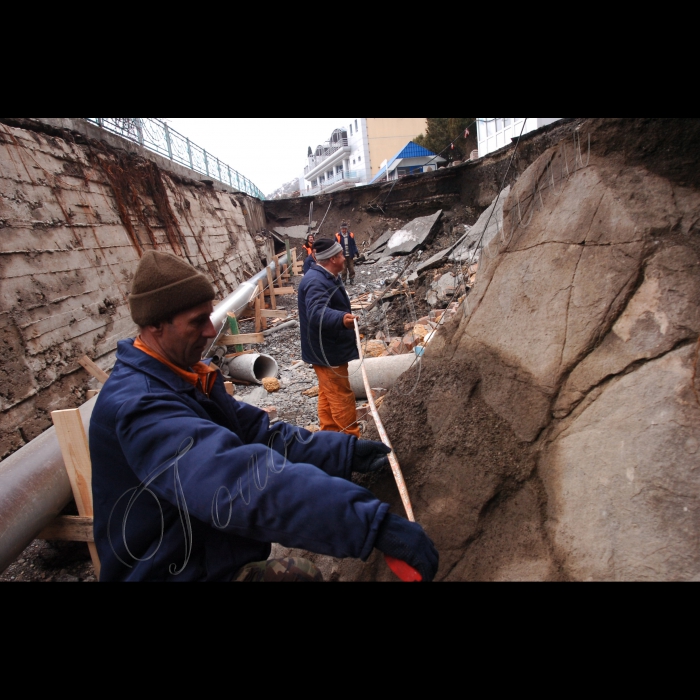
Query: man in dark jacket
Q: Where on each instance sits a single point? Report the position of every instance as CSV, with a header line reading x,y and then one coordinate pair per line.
x,y
309,248
350,252
328,337
191,485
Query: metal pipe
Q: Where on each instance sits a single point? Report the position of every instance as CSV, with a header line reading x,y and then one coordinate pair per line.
x,y
237,301
34,489
381,372
253,367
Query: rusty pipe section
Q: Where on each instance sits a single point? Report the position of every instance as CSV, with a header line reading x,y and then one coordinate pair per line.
x,y
34,489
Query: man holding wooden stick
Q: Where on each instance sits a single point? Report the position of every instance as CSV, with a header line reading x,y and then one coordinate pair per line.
x,y
328,337
191,485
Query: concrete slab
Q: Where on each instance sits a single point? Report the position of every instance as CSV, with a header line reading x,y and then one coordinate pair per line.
x,y
381,241
464,250
299,232
411,236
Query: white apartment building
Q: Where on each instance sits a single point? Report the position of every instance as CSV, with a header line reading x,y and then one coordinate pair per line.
x,y
494,133
355,151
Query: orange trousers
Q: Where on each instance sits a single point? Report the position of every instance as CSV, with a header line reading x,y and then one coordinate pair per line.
x,y
336,400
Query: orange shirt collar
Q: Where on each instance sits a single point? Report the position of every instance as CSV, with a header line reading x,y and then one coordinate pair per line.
x,y
202,377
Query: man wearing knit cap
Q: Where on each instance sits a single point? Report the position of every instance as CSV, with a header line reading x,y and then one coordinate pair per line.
x,y
191,485
328,337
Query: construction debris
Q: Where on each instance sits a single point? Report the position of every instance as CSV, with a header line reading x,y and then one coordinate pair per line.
x,y
271,384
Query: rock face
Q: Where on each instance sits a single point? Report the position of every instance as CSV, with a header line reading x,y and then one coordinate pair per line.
x,y
584,328
553,431
411,236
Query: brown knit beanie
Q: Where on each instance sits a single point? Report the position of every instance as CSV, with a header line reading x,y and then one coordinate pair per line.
x,y
163,286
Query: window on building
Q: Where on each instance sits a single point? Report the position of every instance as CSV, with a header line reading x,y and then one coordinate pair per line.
x,y
353,161
356,125
314,183
359,158
350,129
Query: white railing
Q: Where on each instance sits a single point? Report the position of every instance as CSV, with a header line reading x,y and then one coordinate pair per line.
x,y
326,152
348,175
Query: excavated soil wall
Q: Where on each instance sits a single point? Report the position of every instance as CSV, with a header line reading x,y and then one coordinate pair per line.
x,y
76,214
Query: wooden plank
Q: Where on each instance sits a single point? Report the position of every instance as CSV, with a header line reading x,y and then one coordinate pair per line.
x,y
271,288
260,322
72,528
242,338
76,457
91,393
229,388
274,313
283,290
93,369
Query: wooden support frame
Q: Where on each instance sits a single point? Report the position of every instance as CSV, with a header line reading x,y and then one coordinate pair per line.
x,y
93,369
260,322
76,457
274,313
242,338
271,288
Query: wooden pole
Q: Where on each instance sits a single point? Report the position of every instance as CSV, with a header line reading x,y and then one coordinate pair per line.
x,y
395,468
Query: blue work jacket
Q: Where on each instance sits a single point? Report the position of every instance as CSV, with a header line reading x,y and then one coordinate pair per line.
x,y
323,302
192,488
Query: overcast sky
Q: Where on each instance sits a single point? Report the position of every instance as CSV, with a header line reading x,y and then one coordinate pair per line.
x,y
269,152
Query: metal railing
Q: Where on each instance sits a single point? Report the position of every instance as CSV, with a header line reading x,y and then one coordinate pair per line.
x,y
157,136
342,175
326,151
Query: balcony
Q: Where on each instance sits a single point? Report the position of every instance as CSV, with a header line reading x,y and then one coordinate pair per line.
x,y
339,181
329,155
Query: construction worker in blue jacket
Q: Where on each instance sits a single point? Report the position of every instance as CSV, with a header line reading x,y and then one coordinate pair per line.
x,y
191,485
346,239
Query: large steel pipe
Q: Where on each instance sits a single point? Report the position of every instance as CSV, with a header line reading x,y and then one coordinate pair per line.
x,y
34,489
382,372
238,300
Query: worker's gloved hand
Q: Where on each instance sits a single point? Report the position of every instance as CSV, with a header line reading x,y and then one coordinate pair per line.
x,y
407,541
370,456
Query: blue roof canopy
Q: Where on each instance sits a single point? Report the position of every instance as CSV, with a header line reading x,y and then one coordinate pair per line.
x,y
410,150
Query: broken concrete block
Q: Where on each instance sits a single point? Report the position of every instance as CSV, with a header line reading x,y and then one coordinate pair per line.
x,y
420,331
395,346
271,384
414,234
373,348
409,341
362,412
465,250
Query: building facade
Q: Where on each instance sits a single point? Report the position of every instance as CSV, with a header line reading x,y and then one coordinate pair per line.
x,y
355,151
495,133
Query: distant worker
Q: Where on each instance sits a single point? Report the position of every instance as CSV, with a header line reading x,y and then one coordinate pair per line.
x,y
350,252
328,337
309,248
